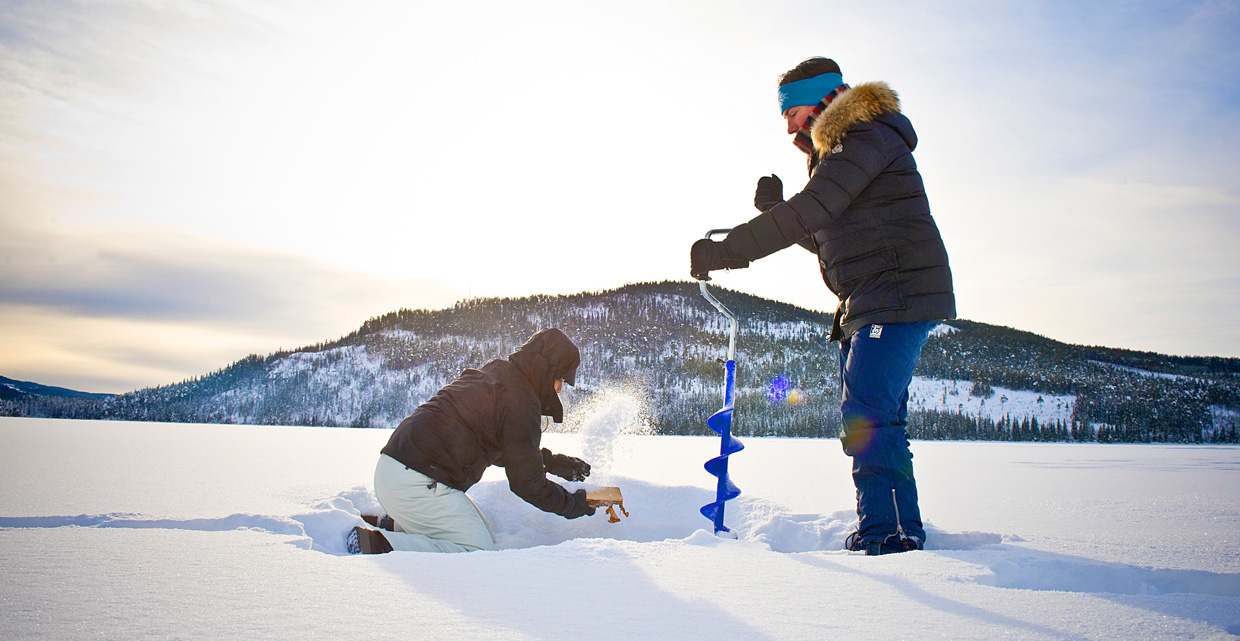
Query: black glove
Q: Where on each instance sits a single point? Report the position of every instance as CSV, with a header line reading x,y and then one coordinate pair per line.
x,y
770,192
707,255
567,467
581,508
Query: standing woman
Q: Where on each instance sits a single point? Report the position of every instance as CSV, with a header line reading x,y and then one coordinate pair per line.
x,y
865,214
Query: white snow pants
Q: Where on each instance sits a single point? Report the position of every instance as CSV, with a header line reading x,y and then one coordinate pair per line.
x,y
429,516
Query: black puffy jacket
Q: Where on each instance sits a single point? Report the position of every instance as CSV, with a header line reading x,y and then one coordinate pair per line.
x,y
864,211
493,416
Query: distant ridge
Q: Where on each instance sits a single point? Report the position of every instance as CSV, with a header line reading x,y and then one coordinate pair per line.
x,y
12,390
661,342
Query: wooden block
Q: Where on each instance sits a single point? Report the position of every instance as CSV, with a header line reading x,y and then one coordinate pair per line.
x,y
604,496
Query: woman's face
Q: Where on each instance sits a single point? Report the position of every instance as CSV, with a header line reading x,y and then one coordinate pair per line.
x,y
796,117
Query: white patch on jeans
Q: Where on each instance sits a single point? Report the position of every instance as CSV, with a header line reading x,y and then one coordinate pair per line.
x,y
876,331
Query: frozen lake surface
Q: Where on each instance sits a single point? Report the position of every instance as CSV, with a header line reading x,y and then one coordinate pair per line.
x,y
173,531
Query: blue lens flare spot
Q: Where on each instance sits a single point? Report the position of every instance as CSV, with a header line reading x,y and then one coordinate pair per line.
x,y
779,390
783,391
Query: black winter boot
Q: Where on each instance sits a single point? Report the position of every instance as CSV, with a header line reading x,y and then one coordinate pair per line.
x,y
366,541
891,544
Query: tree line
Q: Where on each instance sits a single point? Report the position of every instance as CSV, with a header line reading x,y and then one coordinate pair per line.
x,y
668,341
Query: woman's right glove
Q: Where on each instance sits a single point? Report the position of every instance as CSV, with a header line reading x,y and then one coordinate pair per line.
x,y
569,468
770,192
706,256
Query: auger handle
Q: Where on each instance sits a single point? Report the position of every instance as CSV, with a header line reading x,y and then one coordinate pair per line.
x,y
719,306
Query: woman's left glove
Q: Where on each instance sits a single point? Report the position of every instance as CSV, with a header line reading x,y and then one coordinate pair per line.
x,y
569,468
770,192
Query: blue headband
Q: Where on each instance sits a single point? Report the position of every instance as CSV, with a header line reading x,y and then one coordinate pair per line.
x,y
809,91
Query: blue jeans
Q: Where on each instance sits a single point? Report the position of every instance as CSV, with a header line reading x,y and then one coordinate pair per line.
x,y
876,367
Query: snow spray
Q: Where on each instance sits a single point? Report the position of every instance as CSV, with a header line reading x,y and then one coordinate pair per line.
x,y
608,413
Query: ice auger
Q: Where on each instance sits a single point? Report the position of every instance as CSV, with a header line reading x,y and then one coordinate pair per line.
x,y
721,421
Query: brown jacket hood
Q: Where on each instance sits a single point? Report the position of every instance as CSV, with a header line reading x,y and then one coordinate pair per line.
x,y
548,355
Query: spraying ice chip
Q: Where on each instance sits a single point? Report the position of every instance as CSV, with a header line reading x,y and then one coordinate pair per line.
x,y
608,413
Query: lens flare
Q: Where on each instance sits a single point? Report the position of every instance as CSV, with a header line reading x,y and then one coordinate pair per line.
x,y
779,389
783,391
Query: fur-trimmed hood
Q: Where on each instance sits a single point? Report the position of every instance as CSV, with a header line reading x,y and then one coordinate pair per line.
x,y
863,103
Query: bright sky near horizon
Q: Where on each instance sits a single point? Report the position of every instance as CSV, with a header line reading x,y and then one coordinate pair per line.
x,y
185,183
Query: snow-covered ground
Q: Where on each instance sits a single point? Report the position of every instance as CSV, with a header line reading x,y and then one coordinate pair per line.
x,y
956,396
1143,372
114,530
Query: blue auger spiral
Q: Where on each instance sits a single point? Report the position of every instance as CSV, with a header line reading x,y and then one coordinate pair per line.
x,y
721,421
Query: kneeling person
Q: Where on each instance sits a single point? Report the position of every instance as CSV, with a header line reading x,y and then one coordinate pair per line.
x,y
488,416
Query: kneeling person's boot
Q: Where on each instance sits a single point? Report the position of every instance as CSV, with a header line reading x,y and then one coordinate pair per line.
x,y
366,541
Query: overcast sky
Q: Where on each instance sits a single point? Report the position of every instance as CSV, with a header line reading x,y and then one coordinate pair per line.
x,y
185,183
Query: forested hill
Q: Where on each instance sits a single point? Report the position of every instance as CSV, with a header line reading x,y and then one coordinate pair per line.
x,y
661,343
13,390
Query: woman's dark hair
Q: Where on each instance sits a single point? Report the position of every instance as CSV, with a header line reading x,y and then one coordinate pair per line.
x,y
809,69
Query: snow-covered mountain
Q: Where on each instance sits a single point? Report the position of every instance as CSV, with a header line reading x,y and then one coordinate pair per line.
x,y
14,390
975,381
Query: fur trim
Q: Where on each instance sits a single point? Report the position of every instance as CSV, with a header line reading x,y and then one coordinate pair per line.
x,y
862,103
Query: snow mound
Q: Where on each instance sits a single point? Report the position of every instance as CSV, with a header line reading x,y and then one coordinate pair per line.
x,y
1047,571
656,513
937,539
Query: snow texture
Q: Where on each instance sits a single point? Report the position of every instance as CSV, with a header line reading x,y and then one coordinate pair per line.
x,y
120,530
957,396
1144,372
